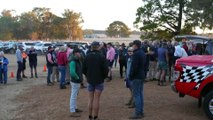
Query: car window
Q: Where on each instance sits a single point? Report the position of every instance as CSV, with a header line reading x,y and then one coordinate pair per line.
x,y
30,44
47,44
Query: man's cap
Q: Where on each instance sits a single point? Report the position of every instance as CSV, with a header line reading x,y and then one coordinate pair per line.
x,y
95,43
137,43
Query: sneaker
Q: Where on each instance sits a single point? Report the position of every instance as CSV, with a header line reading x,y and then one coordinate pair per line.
x,y
78,110
74,114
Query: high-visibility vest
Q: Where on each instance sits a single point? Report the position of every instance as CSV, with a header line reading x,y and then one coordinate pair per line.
x,y
24,55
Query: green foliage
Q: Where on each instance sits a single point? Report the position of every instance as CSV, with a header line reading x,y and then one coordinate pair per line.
x,y
72,21
173,17
40,23
118,29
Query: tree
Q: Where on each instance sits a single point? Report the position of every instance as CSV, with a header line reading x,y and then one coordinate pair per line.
x,y
7,25
26,25
161,14
172,16
72,22
44,19
201,13
118,29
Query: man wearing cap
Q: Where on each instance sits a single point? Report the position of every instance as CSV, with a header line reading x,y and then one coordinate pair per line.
x,y
20,63
137,75
50,64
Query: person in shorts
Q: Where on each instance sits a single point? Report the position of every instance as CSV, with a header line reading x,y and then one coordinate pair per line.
x,y
95,69
163,60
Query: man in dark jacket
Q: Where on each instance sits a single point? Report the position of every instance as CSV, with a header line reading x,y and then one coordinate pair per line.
x,y
32,55
137,75
95,69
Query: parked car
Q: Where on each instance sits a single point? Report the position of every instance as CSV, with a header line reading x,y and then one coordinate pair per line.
x,y
8,47
200,41
42,47
193,76
26,45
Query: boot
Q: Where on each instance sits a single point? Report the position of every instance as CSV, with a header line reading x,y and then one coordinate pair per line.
x,y
36,75
31,75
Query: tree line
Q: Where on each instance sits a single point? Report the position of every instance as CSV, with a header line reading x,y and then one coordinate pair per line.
x,y
41,24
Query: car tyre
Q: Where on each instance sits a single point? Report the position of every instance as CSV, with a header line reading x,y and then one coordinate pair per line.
x,y
208,104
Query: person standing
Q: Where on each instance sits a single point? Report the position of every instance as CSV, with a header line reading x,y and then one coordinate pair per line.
x,y
153,61
137,75
76,79
24,56
68,52
95,69
50,63
110,59
3,68
62,62
127,80
32,55
20,63
55,73
163,60
122,59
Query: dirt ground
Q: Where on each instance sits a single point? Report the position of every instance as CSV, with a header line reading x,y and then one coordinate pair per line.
x,y
32,99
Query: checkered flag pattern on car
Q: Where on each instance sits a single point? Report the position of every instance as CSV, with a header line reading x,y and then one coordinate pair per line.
x,y
195,74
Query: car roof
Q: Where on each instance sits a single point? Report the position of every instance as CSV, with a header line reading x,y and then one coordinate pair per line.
x,y
193,37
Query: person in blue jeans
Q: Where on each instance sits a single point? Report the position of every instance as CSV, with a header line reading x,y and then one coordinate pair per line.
x,y
137,75
50,64
76,80
3,68
62,62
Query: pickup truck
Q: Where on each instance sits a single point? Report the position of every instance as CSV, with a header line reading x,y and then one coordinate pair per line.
x,y
193,76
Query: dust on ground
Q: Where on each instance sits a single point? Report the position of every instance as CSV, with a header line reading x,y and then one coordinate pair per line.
x,y
32,99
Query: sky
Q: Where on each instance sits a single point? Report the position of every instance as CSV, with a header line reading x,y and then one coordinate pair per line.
x,y
97,14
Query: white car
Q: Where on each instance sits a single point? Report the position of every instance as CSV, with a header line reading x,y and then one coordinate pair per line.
x,y
26,45
42,47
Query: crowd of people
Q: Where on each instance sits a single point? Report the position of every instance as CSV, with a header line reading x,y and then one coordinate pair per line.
x,y
138,63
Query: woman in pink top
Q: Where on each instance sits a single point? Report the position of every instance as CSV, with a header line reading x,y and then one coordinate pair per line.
x,y
110,59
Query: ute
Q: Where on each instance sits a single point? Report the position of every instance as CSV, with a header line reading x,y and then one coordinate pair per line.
x,y
193,76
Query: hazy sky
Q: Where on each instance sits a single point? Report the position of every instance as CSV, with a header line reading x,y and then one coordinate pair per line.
x,y
97,14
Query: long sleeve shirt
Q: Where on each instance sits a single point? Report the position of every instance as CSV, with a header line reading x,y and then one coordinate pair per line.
x,y
111,54
62,58
49,58
19,56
